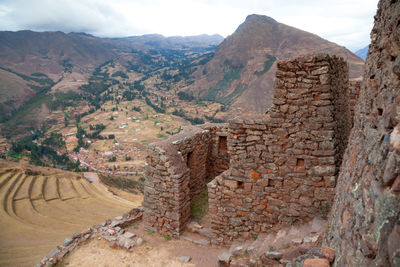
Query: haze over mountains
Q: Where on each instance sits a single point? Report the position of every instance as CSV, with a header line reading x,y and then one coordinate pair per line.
x,y
239,76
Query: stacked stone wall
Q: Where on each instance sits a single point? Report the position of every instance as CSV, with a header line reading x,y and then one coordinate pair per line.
x,y
217,160
354,93
177,170
283,168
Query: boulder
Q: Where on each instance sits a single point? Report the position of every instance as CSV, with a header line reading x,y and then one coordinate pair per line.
x,y
184,258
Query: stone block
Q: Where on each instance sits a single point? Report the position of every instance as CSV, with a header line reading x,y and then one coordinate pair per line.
x,y
235,222
329,254
67,241
323,170
316,263
274,255
231,184
321,70
224,259
184,258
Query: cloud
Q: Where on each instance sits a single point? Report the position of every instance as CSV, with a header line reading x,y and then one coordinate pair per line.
x,y
336,20
94,17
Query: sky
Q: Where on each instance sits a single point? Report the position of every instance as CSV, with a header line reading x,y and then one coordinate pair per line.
x,y
345,22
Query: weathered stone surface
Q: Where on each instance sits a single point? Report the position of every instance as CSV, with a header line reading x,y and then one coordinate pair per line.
x,y
274,255
54,252
115,223
129,235
76,235
366,210
139,241
224,259
67,241
110,231
184,258
316,263
310,239
329,254
317,225
128,243
297,241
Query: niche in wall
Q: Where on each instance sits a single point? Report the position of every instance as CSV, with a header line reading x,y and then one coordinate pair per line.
x,y
222,145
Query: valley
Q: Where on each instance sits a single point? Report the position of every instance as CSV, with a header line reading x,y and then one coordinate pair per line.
x,y
78,114
140,89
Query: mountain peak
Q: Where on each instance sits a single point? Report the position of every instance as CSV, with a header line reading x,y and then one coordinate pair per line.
x,y
243,67
259,18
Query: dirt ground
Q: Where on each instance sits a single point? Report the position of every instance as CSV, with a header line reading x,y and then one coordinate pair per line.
x,y
156,251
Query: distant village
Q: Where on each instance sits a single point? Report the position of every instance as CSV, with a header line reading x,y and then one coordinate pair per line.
x,y
120,157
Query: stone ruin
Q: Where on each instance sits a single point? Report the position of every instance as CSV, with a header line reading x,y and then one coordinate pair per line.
x,y
281,167
284,168
285,165
177,170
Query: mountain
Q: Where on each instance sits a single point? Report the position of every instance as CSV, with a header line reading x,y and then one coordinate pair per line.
x,y
32,62
40,62
240,75
52,53
362,53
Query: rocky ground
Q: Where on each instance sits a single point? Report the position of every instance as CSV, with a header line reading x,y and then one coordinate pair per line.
x,y
124,242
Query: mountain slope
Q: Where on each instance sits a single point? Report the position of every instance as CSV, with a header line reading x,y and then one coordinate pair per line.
x,y
241,73
13,92
362,53
51,53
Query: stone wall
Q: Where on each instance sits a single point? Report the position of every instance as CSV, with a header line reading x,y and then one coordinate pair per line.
x,y
354,93
218,156
177,170
365,220
283,167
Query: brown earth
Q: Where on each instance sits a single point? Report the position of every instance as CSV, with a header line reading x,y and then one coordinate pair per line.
x,y
157,250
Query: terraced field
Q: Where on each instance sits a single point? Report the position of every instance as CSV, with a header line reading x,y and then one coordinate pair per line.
x,y
39,209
